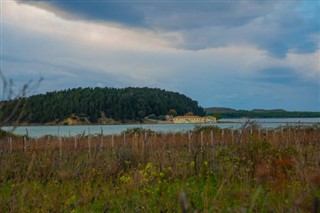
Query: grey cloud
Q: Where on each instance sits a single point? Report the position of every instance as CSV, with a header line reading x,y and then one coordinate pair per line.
x,y
99,10
167,15
275,26
277,31
194,15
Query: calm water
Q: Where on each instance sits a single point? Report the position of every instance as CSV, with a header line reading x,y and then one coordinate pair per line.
x,y
38,131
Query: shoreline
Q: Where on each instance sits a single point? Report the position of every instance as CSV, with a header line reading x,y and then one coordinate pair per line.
x,y
170,122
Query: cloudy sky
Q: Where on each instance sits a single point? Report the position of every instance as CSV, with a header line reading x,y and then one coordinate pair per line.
x,y
242,54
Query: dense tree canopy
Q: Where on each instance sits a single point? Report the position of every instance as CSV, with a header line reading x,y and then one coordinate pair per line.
x,y
118,104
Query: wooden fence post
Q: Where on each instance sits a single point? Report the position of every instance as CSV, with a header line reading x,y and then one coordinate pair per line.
x,y
232,136
201,139
25,140
89,144
144,141
75,143
240,136
10,141
222,137
267,134
36,143
150,142
101,139
173,139
24,144
60,147
189,139
48,142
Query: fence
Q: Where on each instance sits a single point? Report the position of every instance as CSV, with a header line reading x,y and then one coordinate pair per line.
x,y
149,141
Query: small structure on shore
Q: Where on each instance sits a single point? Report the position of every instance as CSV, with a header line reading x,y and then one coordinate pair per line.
x,y
191,119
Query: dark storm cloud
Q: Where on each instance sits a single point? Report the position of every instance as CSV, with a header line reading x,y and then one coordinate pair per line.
x,y
275,26
169,15
121,12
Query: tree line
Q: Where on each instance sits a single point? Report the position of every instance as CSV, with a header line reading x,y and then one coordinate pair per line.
x,y
119,104
266,114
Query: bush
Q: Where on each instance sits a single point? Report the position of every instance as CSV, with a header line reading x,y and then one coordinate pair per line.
x,y
137,130
206,129
5,134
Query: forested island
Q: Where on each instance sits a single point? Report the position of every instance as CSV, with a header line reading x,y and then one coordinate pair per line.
x,y
99,105
118,105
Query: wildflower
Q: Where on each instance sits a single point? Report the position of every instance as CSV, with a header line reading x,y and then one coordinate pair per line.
x,y
125,179
161,174
148,167
192,164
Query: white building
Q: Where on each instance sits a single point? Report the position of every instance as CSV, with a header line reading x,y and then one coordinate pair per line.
x,y
194,119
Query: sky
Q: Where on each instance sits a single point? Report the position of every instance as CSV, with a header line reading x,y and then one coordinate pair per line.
x,y
242,54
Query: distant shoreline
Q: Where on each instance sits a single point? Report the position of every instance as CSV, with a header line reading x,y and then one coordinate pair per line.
x,y
237,121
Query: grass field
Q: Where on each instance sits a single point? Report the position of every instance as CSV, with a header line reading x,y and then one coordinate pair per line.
x,y
207,170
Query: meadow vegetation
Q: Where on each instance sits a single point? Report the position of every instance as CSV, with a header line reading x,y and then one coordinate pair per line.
x,y
206,170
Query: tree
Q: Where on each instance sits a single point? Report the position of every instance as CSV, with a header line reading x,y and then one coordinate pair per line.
x,y
189,114
172,112
217,115
214,114
141,114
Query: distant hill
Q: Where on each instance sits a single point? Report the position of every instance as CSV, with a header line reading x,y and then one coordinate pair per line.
x,y
268,110
95,104
258,113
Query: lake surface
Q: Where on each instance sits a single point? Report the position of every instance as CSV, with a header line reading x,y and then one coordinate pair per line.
x,y
38,131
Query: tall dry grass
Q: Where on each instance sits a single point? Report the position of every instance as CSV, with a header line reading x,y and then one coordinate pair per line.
x,y
250,169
